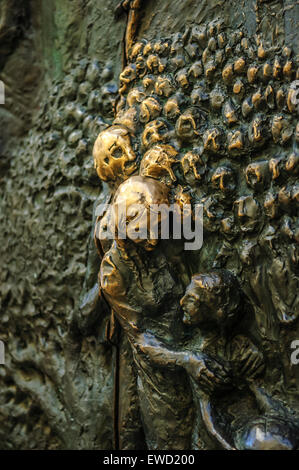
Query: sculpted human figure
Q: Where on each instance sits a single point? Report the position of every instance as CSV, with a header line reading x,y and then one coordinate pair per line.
x,y
212,305
141,281
144,290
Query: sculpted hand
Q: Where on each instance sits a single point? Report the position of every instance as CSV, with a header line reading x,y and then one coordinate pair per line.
x,y
246,360
210,374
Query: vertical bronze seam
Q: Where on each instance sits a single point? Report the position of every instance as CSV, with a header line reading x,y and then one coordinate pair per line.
x,y
116,399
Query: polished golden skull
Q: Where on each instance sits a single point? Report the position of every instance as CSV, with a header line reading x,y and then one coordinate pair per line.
x,y
157,163
134,203
113,154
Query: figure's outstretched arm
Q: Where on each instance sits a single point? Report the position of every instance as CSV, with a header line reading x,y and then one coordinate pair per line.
x,y
206,371
158,353
206,413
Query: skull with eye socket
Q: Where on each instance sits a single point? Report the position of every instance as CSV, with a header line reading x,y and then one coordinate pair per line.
x,y
114,158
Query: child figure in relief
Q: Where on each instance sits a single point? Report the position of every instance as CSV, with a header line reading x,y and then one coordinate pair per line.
x,y
213,304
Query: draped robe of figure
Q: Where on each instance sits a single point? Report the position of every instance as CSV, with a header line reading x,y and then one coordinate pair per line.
x,y
145,298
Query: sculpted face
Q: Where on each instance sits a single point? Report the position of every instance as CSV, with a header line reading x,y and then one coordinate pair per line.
x,y
132,206
190,304
211,298
113,154
157,163
248,213
200,304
